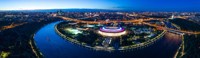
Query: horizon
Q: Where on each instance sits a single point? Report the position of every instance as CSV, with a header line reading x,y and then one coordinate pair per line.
x,y
142,5
89,9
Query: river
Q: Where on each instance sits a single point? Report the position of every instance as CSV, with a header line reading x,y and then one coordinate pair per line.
x,y
51,45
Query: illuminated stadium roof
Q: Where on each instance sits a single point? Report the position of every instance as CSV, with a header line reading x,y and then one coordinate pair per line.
x,y
112,31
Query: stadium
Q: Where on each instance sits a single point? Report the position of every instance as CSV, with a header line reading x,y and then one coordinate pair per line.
x,y
112,31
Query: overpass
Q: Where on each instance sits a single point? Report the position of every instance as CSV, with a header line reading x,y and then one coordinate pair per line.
x,y
172,30
103,21
133,21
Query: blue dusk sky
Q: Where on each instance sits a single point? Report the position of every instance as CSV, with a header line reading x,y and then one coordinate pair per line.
x,y
101,4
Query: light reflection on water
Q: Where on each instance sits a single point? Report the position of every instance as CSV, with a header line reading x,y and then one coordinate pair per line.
x,y
52,46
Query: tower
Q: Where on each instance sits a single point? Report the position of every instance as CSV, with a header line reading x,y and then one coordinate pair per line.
x,y
60,12
172,17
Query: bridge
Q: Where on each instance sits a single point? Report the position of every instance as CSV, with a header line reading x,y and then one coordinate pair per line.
x,y
172,30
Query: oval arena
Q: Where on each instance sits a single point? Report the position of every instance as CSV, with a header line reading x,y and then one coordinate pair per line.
x,y
112,31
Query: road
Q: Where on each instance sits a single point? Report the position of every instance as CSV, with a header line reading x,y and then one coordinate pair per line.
x,y
133,21
13,25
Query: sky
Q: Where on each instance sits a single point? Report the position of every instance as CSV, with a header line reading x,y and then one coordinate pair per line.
x,y
101,4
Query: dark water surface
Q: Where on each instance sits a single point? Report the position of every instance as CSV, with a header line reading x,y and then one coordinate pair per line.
x,y
52,45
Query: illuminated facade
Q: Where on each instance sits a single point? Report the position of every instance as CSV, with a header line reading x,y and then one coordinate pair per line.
x,y
112,31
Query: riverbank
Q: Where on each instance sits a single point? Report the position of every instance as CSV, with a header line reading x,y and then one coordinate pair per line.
x,y
131,47
52,45
18,41
190,43
145,44
70,39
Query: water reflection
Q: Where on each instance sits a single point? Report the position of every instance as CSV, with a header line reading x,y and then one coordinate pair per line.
x,y
53,46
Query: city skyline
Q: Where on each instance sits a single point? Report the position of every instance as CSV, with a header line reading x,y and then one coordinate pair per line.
x,y
144,5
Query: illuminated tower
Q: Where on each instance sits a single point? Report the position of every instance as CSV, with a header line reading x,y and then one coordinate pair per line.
x,y
99,24
172,17
60,12
95,20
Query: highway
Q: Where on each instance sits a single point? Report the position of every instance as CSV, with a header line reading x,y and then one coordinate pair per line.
x,y
172,30
133,21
